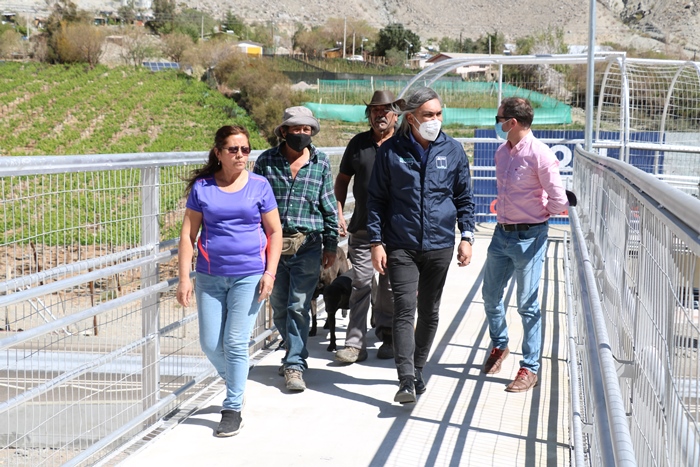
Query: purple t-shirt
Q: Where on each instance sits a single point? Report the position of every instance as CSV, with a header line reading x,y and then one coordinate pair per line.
x,y
232,241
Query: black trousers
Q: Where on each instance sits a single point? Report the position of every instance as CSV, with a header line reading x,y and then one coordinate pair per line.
x,y
417,278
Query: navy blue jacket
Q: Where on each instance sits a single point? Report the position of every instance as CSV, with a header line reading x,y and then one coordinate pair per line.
x,y
414,206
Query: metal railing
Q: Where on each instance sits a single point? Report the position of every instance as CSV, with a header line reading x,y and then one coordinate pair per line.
x,y
94,347
634,313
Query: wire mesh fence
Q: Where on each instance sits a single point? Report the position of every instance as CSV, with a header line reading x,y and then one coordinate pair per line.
x,y
646,260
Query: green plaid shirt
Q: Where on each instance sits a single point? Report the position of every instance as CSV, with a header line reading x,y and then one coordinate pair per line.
x,y
306,203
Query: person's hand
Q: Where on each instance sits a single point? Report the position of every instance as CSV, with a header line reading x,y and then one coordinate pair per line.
x,y
184,291
464,254
379,258
342,226
267,282
328,259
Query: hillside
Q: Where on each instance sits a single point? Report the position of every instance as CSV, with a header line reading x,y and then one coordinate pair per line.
x,y
676,22
52,110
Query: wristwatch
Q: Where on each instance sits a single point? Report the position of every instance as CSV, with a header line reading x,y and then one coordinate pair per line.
x,y
468,237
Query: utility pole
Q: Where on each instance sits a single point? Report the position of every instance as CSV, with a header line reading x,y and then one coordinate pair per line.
x,y
353,42
202,27
345,32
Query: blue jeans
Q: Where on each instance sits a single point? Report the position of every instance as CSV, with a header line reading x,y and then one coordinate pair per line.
x,y
227,308
297,277
519,254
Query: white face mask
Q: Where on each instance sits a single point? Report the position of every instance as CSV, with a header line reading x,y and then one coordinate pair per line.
x,y
430,130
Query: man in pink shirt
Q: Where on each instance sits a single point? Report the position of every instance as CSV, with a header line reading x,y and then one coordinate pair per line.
x,y
530,191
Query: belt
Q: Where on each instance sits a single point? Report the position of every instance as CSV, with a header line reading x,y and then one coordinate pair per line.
x,y
519,227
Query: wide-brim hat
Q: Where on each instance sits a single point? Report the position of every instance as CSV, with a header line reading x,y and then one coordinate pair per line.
x,y
299,115
385,98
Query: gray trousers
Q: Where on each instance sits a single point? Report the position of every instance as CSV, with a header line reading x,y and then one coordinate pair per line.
x,y
363,292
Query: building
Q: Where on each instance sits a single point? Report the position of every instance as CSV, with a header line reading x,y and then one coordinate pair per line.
x,y
250,48
475,71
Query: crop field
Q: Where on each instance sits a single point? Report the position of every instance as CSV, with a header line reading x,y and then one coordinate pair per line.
x,y
66,110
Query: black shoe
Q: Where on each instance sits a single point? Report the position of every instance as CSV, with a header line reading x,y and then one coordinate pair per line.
x,y
419,383
385,351
231,423
407,391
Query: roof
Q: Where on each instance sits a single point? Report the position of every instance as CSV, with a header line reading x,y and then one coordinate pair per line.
x,y
448,55
248,43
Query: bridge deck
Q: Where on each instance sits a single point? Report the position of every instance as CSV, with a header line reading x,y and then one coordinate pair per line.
x,y
346,417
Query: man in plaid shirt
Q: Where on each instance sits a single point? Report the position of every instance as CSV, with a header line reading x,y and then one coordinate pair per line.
x,y
301,179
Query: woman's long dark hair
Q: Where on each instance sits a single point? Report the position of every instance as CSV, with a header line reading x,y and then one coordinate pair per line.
x,y
213,165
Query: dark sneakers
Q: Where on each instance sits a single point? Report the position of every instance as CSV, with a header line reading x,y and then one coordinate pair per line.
x,y
418,382
385,351
231,423
407,391
493,363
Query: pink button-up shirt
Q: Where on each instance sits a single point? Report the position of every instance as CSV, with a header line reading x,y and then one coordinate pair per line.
x,y
529,184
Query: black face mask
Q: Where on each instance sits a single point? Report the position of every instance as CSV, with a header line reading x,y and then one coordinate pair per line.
x,y
297,141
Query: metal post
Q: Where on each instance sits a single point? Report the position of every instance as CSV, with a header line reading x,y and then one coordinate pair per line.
x,y
500,83
345,33
150,234
590,80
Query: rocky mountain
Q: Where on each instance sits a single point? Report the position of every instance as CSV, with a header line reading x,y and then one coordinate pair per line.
x,y
645,24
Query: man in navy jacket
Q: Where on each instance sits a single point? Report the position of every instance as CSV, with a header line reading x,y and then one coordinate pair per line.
x,y
420,187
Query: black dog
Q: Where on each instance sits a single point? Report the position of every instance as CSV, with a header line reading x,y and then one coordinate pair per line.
x,y
335,284
336,296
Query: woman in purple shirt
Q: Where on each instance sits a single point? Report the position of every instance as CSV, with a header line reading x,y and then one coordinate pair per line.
x,y
239,247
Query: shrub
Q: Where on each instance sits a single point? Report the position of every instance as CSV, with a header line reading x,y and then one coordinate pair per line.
x,y
175,45
79,43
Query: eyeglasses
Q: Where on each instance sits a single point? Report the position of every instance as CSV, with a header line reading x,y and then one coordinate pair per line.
x,y
234,149
504,118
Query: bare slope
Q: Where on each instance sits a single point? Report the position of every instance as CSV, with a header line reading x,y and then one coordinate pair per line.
x,y
675,22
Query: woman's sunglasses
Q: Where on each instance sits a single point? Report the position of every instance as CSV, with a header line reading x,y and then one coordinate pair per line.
x,y
234,149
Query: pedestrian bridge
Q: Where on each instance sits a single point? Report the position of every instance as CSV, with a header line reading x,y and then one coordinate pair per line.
x,y
101,366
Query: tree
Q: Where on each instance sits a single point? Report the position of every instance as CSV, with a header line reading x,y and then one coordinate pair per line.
x,y
207,54
175,45
137,45
164,16
492,43
312,43
235,24
80,43
261,33
465,45
63,12
395,57
394,36
548,41
194,23
10,43
127,12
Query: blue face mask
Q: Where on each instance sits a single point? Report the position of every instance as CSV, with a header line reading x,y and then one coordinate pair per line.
x,y
499,131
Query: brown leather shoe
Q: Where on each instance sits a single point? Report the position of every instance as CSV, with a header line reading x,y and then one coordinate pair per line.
x,y
493,363
524,381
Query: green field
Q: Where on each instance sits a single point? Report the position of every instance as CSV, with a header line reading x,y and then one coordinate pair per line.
x,y
61,110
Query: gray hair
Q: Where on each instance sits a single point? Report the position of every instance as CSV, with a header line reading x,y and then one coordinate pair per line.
x,y
419,97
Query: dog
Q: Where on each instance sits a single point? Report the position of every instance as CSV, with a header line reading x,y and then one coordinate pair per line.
x,y
335,284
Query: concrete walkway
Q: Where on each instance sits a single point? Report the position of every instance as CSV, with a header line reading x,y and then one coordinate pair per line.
x,y
347,416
